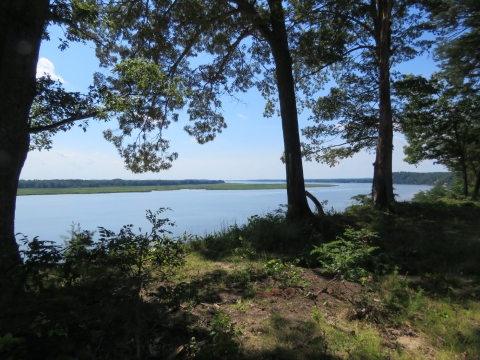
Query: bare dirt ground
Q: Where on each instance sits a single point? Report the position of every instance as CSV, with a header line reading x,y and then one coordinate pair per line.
x,y
271,318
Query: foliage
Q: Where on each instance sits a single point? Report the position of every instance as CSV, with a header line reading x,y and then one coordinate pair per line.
x,y
114,274
432,195
457,22
151,47
245,251
285,272
347,119
405,177
223,333
9,346
440,122
135,258
348,258
261,234
55,109
400,177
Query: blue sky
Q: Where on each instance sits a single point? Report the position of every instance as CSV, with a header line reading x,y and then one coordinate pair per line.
x,y
250,148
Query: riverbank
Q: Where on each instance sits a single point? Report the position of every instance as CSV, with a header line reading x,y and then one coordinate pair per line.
x,y
257,292
127,189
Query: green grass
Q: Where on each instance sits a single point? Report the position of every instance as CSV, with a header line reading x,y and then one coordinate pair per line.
x,y
120,189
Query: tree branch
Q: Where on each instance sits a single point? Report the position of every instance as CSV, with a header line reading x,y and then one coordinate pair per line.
x,y
38,129
194,39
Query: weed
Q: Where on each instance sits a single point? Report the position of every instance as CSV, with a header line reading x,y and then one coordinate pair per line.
x,y
244,279
316,314
348,258
245,251
286,273
223,333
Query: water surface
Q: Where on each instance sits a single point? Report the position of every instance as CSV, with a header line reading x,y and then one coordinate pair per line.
x,y
194,211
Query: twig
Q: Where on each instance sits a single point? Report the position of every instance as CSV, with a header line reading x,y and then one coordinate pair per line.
x,y
341,327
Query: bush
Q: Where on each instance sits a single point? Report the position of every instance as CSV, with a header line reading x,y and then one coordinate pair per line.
x,y
348,258
92,294
432,195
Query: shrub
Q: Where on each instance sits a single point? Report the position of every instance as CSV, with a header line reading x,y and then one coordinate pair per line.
x,y
432,195
348,258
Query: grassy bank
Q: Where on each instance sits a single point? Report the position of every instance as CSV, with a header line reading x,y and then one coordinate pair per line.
x,y
401,285
119,189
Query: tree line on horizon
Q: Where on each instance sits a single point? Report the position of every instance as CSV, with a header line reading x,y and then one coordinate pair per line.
x,y
78,183
403,177
288,50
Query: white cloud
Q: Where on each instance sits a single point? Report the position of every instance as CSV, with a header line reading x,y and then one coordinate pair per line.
x,y
241,116
46,66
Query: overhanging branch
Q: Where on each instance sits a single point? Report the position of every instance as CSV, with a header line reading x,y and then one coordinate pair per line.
x,y
38,129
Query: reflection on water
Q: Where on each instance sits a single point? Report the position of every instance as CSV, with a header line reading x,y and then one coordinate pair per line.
x,y
194,211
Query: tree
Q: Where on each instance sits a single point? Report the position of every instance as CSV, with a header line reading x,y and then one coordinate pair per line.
x,y
380,35
245,44
441,122
22,26
184,27
458,51
458,25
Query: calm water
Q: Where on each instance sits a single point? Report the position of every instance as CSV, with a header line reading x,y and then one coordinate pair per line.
x,y
194,211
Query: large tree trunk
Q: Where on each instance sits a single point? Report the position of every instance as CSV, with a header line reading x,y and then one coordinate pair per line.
x,y
382,188
297,200
21,27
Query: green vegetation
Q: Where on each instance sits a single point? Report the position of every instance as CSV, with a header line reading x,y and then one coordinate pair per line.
x,y
405,177
409,289
402,177
347,257
363,284
77,183
114,189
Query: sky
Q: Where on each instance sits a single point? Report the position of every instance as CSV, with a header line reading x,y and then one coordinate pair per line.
x,y
250,147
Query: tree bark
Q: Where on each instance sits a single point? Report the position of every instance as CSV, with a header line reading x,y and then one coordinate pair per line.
x,y
316,202
21,26
382,187
297,200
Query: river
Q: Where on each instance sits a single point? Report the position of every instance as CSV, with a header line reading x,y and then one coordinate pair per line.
x,y
194,211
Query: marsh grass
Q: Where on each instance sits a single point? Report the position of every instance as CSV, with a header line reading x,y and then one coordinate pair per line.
x,y
121,189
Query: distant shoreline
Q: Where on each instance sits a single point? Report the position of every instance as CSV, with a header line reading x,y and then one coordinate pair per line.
x,y
128,189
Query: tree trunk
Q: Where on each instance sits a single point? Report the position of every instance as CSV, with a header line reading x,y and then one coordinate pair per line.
x,y
297,200
464,177
477,187
382,187
21,27
316,202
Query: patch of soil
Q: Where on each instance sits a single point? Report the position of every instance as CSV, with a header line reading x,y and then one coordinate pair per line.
x,y
340,304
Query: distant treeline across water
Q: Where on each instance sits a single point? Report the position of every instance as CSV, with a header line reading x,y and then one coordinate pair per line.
x,y
408,178
75,183
403,177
